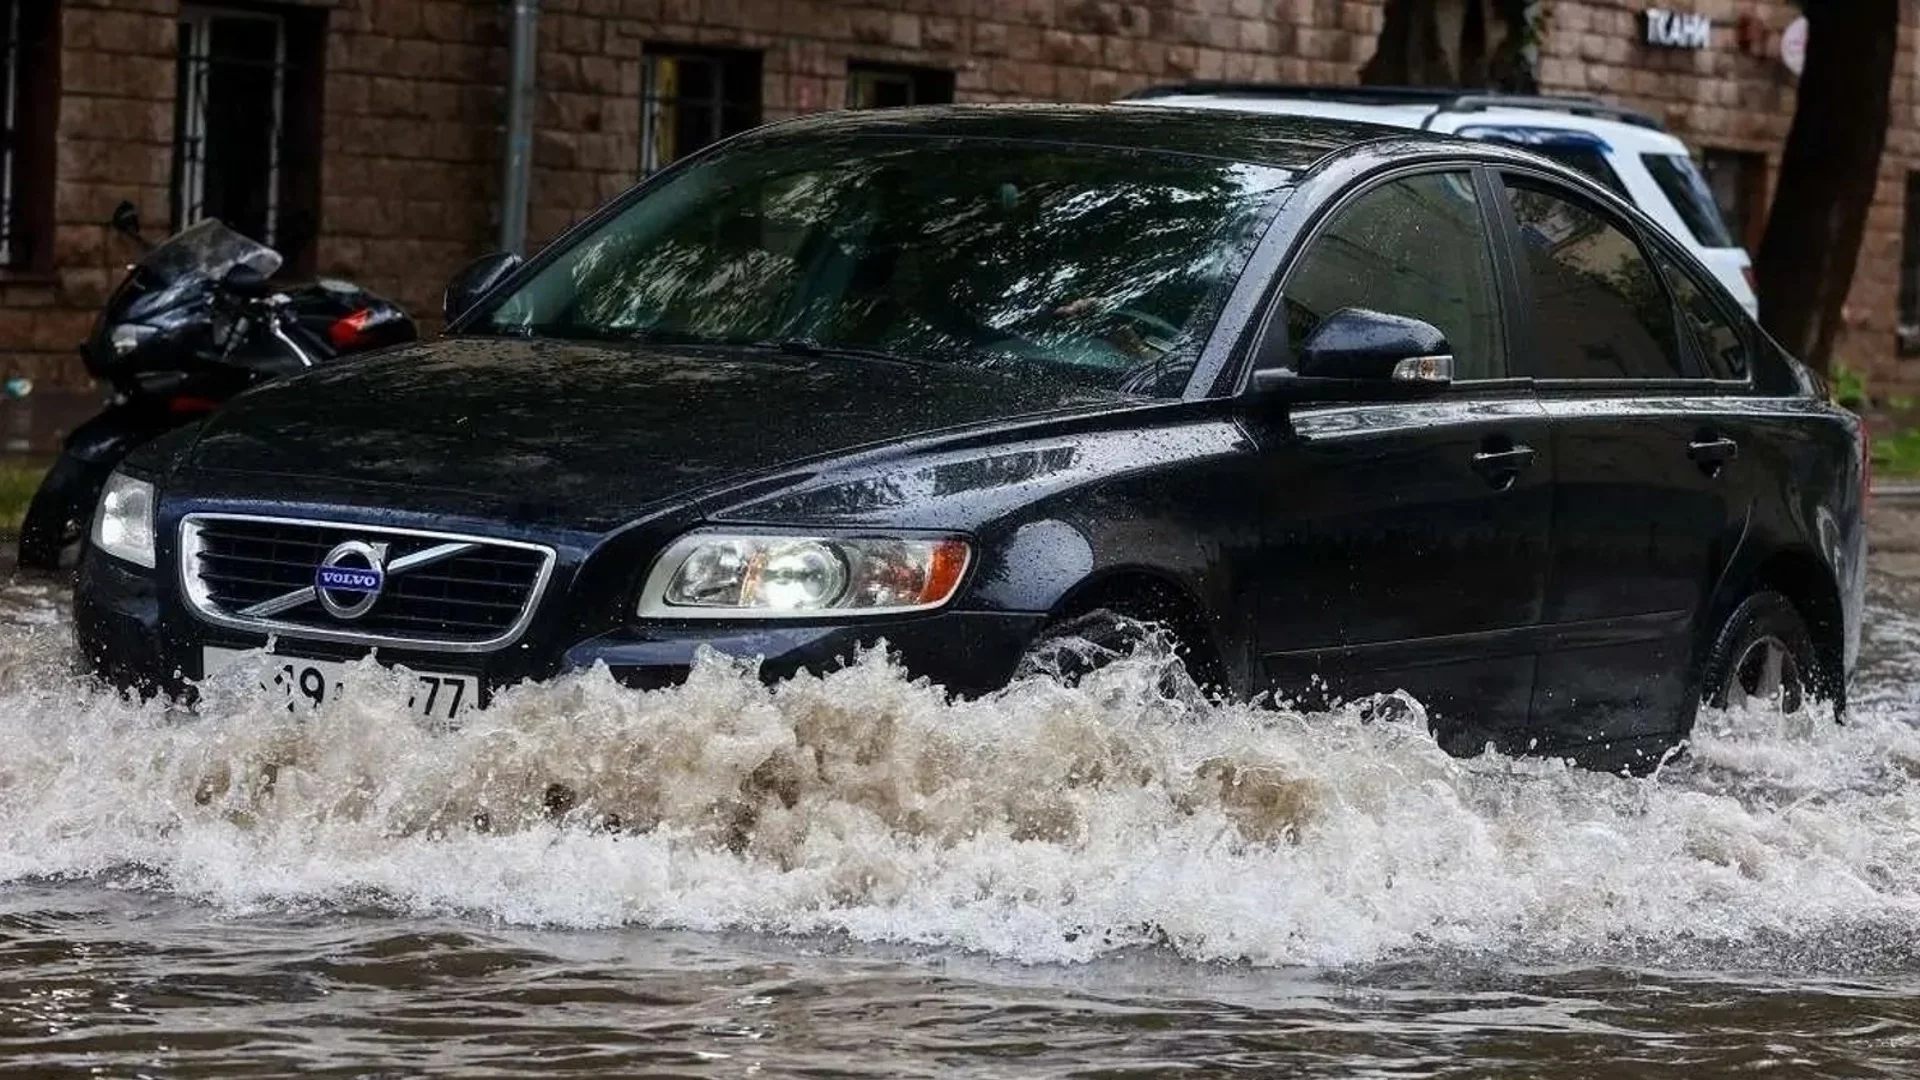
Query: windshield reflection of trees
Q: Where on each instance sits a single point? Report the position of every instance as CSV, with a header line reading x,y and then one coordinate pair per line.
x,y
1101,265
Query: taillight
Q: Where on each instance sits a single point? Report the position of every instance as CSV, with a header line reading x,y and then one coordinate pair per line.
x,y
1752,282
346,330
191,404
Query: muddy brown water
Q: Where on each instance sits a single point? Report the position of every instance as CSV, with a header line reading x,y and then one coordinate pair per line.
x,y
853,876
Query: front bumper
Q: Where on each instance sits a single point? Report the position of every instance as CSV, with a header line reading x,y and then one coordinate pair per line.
x,y
133,633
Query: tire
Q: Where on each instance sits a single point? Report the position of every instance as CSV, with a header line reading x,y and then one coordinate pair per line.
x,y
59,514
1764,655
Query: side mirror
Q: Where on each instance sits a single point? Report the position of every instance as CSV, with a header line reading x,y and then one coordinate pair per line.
x,y
475,280
1357,354
246,282
126,222
126,218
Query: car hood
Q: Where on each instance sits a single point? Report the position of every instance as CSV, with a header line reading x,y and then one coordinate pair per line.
x,y
592,434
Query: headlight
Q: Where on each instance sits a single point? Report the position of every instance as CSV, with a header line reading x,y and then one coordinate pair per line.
x,y
123,523
127,338
713,576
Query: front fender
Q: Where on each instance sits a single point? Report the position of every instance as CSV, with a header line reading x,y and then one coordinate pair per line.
x,y
1048,511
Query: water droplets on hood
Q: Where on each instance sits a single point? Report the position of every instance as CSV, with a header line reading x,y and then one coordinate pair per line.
x,y
1045,823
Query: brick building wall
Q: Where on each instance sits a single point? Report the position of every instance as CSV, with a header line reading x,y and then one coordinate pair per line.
x,y
410,107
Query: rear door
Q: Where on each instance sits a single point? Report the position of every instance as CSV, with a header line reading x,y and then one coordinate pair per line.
x,y
1643,519
1406,541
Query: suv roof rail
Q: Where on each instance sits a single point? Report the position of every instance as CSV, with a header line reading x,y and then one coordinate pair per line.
x,y
1443,99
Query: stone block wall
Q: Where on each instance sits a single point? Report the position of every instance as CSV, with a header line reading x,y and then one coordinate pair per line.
x,y
413,103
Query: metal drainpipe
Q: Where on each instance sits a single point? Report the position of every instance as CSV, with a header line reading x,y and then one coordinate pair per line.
x,y
519,150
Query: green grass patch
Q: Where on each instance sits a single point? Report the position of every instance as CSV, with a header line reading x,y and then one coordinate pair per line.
x,y
1897,454
19,479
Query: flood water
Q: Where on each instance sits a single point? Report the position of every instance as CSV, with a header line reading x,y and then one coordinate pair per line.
x,y
851,876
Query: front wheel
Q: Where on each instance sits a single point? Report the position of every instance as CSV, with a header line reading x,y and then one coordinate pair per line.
x,y
1074,648
1763,657
59,514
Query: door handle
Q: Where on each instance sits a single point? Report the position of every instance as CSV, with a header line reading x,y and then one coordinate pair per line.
x,y
1502,467
1709,450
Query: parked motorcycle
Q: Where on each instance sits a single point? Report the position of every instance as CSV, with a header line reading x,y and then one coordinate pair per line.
x,y
194,322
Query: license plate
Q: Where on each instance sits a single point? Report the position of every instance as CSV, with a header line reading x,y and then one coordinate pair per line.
x,y
436,695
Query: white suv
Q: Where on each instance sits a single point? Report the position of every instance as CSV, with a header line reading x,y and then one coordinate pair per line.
x,y
1626,151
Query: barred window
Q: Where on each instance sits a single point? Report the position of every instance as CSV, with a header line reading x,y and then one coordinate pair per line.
x,y
29,106
885,86
692,97
247,125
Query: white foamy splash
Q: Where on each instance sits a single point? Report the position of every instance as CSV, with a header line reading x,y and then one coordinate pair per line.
x,y
1042,824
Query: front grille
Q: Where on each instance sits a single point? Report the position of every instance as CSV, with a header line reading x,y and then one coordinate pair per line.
x,y
476,593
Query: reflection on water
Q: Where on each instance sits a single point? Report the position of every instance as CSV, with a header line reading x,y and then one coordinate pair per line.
x,y
854,875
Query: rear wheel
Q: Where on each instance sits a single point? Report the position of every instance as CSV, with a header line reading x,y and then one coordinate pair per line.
x,y
1763,657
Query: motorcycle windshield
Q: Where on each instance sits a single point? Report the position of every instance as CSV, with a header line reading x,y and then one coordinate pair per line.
x,y
182,269
208,249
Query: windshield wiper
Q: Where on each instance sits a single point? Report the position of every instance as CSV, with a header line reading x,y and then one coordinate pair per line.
x,y
804,346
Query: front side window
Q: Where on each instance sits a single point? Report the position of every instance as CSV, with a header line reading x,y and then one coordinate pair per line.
x,y
1418,248
1104,267
1601,310
246,123
692,97
1687,190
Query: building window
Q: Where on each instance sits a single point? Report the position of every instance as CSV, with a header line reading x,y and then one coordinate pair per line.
x,y
1738,179
1909,331
692,97
246,137
29,106
886,86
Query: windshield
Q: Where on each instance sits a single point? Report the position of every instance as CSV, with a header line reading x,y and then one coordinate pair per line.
x,y
1101,266
1691,197
208,248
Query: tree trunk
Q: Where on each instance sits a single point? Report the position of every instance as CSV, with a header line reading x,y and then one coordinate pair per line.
x,y
1409,52
1454,43
1828,173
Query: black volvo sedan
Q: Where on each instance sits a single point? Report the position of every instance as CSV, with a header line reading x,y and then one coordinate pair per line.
x,y
1347,410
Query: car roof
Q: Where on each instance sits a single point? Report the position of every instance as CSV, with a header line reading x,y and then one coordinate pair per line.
x,y
1295,143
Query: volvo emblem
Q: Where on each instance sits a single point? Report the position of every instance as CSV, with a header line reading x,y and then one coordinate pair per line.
x,y
349,579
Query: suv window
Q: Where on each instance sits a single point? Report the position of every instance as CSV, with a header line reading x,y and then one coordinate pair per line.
x,y
1415,247
1687,190
1577,150
1601,309
1721,343
1592,162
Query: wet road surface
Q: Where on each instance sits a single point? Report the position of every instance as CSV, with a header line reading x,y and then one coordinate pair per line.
x,y
851,876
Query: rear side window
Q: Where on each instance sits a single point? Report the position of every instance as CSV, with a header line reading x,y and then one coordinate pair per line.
x,y
1718,337
1600,309
1687,190
1416,247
